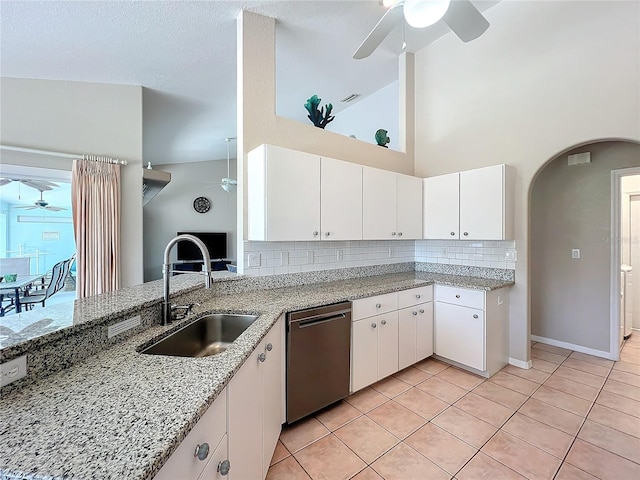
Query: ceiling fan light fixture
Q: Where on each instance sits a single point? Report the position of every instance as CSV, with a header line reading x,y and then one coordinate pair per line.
x,y
423,13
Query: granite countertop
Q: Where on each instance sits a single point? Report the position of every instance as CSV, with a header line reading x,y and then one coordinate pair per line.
x,y
121,414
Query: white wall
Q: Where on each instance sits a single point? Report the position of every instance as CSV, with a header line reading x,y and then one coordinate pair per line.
x,y
366,116
546,76
172,210
75,117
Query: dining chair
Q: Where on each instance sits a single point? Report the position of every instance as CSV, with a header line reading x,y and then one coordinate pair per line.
x,y
58,276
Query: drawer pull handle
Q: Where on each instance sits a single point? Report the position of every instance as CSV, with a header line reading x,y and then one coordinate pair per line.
x,y
457,296
421,310
328,233
315,233
475,316
399,234
202,451
418,296
466,233
383,322
224,467
378,305
373,325
262,357
453,233
414,312
269,347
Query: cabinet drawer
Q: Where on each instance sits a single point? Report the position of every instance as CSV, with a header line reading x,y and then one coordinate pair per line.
x,y
210,429
415,296
460,296
367,307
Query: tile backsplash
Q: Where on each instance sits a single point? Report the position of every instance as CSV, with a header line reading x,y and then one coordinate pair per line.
x,y
276,258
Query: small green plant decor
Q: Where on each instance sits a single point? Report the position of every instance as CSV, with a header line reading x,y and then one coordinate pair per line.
x,y
319,117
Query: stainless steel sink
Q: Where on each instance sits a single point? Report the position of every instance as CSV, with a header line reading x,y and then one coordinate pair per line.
x,y
206,336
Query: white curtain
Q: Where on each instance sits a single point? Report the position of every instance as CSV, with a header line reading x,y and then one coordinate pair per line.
x,y
95,197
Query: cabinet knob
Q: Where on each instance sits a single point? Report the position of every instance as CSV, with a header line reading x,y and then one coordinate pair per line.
x,y
399,234
393,234
373,325
269,347
378,305
224,467
418,296
457,296
414,312
421,310
475,316
202,451
452,233
466,233
383,322
327,233
262,357
315,233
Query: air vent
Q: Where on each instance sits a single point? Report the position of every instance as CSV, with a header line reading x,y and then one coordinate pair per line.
x,y
348,98
579,159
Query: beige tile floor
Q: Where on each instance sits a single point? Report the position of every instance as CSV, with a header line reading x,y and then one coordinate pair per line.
x,y
572,416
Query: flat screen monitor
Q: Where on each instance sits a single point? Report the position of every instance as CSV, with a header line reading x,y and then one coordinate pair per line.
x,y
216,243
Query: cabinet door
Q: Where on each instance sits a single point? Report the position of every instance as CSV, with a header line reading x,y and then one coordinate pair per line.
x,y
407,318
245,420
408,207
340,200
441,207
482,196
378,204
219,455
364,353
459,334
387,344
292,195
424,331
272,391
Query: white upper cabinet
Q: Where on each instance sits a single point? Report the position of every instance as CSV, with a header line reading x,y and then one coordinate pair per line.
x,y
340,200
475,205
391,205
283,195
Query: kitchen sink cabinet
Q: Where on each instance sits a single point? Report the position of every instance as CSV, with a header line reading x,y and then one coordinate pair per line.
x,y
391,205
474,204
471,328
208,439
255,414
299,196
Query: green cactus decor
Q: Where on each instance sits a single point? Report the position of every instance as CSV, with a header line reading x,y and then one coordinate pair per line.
x,y
381,138
318,117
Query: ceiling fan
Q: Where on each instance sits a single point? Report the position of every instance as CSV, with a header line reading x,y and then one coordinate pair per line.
x,y
460,15
41,185
42,204
228,184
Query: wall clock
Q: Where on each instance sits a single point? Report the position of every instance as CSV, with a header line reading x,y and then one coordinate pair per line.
x,y
202,204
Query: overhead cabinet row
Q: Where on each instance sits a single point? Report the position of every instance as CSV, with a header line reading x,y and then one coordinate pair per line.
x,y
297,196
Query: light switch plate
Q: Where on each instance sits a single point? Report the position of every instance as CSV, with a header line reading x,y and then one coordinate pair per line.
x,y
511,256
254,259
13,370
575,253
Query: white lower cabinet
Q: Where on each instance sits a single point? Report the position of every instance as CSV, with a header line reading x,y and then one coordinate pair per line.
x,y
392,339
203,450
255,408
471,327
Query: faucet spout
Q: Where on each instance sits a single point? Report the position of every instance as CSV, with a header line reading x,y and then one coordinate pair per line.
x,y
166,271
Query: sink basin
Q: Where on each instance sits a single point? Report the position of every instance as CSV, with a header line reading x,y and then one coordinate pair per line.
x,y
209,335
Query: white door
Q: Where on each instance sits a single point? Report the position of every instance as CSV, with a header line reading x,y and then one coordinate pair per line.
x,y
424,331
482,196
387,344
408,207
407,318
459,334
292,195
378,204
364,353
441,207
340,200
633,295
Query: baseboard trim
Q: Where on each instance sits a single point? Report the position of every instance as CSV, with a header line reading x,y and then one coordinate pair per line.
x,y
520,364
576,348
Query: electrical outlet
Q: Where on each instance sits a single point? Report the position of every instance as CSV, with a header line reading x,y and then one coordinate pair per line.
x,y
13,370
510,256
575,253
338,255
390,252
309,256
254,259
123,326
284,258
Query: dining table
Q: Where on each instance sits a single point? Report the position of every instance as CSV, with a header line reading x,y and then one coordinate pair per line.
x,y
15,289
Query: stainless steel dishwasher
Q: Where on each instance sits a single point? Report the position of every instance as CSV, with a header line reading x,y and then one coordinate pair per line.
x,y
318,358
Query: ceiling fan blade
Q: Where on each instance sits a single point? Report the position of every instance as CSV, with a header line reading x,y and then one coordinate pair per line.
x,y
41,185
465,20
389,20
4,181
54,209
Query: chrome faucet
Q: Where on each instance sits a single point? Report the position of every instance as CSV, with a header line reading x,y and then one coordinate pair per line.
x,y
166,271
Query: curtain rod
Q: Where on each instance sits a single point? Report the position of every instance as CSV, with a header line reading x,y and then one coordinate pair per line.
x,y
95,158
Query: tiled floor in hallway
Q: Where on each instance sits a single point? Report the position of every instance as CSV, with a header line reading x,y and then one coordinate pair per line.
x,y
572,416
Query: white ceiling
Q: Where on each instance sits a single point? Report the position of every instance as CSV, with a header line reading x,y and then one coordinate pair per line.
x,y
184,53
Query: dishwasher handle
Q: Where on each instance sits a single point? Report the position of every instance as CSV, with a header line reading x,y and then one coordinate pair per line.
x,y
317,320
